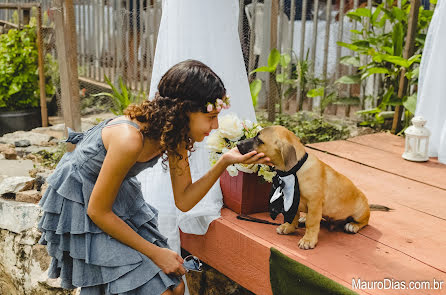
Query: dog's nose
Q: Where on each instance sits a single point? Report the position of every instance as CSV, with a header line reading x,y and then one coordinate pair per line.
x,y
245,146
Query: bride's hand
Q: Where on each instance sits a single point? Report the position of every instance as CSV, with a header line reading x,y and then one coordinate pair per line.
x,y
234,157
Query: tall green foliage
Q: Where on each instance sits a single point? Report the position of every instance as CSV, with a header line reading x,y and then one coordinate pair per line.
x,y
383,49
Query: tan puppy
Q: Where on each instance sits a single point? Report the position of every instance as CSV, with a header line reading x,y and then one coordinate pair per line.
x,y
324,192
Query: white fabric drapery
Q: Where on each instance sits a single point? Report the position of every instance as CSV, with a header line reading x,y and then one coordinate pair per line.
x,y
205,30
431,101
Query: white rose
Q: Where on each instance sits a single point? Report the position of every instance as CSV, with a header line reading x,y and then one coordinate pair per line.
x,y
231,127
232,170
215,142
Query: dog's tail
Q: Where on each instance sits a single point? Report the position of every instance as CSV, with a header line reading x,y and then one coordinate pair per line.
x,y
376,207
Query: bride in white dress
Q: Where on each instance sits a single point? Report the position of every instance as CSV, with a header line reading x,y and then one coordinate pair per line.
x,y
205,30
431,102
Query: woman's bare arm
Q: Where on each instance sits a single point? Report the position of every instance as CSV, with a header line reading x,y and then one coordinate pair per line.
x,y
188,194
122,154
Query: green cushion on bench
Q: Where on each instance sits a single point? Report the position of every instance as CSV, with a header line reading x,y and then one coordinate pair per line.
x,y
291,277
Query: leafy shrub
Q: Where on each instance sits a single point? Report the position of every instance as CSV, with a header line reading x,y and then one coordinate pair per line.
x,y
19,77
309,127
383,48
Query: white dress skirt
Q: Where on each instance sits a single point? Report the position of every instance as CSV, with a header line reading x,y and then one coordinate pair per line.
x,y
431,101
204,30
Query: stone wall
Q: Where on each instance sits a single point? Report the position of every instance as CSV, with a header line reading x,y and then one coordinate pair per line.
x,y
23,262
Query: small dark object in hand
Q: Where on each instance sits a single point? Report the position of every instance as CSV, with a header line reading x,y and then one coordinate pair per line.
x,y
192,263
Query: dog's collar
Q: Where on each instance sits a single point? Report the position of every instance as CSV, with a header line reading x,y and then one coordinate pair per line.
x,y
294,169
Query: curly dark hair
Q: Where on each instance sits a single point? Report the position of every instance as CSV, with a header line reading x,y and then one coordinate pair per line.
x,y
185,88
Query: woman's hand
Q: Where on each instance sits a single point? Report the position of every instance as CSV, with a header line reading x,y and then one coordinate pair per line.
x,y
234,157
169,261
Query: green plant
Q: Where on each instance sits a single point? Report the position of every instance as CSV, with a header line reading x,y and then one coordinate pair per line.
x,y
255,86
327,92
293,77
309,127
383,50
121,97
19,78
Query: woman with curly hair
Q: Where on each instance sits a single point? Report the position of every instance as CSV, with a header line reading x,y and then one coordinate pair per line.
x,y
101,234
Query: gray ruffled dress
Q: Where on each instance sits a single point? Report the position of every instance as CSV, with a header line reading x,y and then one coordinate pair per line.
x,y
82,254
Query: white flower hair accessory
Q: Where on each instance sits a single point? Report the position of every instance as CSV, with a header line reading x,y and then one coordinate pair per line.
x,y
220,103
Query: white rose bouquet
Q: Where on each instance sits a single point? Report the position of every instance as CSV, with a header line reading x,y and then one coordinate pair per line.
x,y
230,132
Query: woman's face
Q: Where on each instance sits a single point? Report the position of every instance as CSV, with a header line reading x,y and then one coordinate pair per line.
x,y
201,124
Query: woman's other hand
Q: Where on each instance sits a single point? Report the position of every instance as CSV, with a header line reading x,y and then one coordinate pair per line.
x,y
169,262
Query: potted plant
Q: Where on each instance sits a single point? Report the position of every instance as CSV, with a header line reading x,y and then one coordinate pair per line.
x,y
19,81
245,188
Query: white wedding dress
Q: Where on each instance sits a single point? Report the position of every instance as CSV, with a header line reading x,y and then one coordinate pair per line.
x,y
431,101
205,30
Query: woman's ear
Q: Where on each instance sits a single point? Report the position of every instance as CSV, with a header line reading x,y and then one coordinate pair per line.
x,y
288,155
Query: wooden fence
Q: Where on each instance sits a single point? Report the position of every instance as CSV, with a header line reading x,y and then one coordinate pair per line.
x,y
117,38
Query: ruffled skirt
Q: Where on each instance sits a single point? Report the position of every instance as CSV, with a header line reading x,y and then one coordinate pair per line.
x,y
82,254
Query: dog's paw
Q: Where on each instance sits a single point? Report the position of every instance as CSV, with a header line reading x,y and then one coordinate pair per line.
x,y
351,227
306,243
285,229
303,219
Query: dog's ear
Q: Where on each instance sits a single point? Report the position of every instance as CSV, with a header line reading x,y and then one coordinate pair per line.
x,y
288,155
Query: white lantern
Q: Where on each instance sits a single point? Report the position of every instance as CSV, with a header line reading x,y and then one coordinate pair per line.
x,y
417,141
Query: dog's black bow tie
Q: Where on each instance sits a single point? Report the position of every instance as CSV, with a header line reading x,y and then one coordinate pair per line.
x,y
285,193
